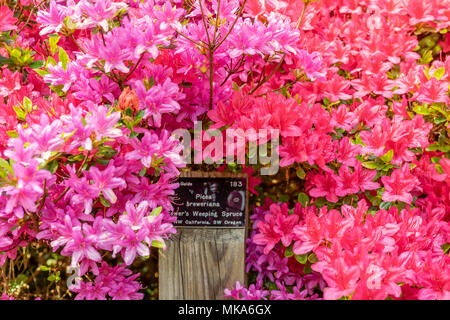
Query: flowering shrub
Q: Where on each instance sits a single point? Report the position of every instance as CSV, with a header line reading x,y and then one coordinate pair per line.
x,y
369,139
88,168
90,92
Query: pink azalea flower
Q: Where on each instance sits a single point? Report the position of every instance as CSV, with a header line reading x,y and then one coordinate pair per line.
x,y
88,291
309,234
399,185
28,189
81,248
7,20
9,83
365,178
144,150
133,243
433,91
347,182
53,19
374,141
99,12
268,236
103,122
105,181
324,186
341,279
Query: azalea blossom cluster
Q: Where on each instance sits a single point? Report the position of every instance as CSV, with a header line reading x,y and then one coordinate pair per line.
x,y
80,183
90,92
373,219
346,253
86,167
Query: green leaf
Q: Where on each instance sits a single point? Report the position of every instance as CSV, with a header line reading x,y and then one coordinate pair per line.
x,y
307,269
303,199
107,152
15,53
18,282
149,83
133,134
129,125
4,60
313,258
156,211
129,112
105,202
157,244
139,116
37,64
288,252
387,167
12,134
52,277
301,173
420,109
52,166
52,61
53,41
44,268
439,120
51,262
41,72
370,165
63,58
439,73
5,165
21,114
438,147
320,202
427,56
433,147
103,162
358,140
303,258
446,248
386,205
142,172
76,158
435,159
387,157
69,24
27,105
284,91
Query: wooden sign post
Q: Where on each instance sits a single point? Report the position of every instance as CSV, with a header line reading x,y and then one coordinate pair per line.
x,y
207,254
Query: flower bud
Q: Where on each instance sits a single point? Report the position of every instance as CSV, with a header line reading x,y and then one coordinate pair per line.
x,y
128,99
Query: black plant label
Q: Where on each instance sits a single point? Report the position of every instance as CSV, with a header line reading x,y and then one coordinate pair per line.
x,y
210,202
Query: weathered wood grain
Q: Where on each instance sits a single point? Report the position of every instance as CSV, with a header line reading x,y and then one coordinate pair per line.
x,y
201,263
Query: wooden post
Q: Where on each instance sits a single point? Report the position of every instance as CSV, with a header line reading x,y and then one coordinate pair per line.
x,y
201,261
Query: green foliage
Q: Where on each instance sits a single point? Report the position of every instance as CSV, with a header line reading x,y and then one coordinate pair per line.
x,y
63,58
19,58
303,198
156,211
303,258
